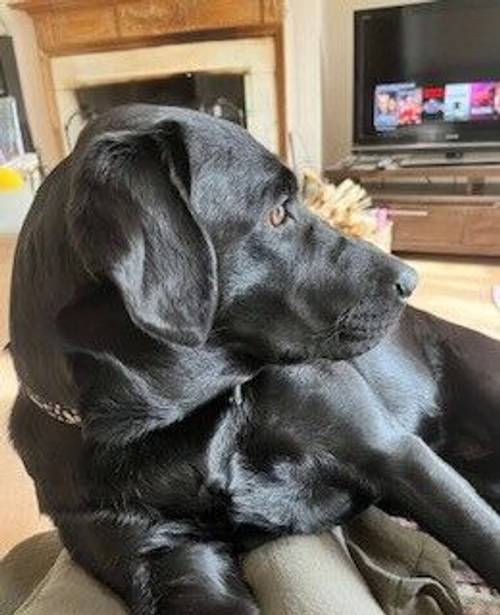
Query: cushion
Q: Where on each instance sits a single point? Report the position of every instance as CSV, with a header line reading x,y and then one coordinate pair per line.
x,y
373,566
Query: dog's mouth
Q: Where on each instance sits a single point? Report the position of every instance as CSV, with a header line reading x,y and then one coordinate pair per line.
x,y
361,329
358,341
364,331
351,344
359,335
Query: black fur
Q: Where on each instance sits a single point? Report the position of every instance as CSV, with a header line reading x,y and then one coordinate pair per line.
x,y
148,283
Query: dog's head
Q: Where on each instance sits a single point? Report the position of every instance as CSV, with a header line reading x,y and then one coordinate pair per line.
x,y
202,232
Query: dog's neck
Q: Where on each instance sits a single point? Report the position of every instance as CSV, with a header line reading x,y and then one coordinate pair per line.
x,y
126,382
127,400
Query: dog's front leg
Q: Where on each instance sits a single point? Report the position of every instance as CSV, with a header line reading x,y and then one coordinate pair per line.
x,y
442,502
153,568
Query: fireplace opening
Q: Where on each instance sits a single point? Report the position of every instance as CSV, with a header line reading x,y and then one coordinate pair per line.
x,y
220,95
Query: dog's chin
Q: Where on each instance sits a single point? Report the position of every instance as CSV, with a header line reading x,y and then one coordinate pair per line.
x,y
348,345
361,337
349,348
363,331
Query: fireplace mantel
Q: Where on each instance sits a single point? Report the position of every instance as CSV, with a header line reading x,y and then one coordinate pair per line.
x,y
68,26
76,27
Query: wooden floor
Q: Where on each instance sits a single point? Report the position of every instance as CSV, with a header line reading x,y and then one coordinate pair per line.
x,y
459,290
455,289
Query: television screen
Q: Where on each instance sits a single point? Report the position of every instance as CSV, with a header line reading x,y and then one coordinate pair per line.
x,y
428,75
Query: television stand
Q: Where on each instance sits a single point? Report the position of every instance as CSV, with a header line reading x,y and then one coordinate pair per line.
x,y
453,210
449,159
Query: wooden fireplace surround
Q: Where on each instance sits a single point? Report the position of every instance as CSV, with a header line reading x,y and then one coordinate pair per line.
x,y
67,27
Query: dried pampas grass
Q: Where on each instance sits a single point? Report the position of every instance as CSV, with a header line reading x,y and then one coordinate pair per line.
x,y
345,207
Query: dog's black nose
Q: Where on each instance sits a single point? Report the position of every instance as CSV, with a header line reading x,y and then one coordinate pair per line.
x,y
406,281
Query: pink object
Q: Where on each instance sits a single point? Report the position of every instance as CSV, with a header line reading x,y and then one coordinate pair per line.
x,y
382,216
495,295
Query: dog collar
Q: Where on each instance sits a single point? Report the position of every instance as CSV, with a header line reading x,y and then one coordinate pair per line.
x,y
60,412
71,416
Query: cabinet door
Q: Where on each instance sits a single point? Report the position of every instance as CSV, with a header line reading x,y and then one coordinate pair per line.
x,y
428,228
482,229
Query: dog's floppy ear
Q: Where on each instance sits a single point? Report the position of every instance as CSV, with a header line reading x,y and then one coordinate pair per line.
x,y
130,222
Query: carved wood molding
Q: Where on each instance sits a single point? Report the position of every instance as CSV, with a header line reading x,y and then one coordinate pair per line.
x,y
68,27
65,26
272,10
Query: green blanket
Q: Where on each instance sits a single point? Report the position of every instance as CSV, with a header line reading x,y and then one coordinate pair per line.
x,y
373,566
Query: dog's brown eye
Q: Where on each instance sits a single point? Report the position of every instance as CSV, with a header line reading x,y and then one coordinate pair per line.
x,y
277,215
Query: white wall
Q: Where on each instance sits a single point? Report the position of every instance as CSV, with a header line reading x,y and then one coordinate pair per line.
x,y
20,26
338,56
303,78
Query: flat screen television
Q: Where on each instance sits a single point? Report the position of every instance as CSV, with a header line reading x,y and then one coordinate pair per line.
x,y
427,76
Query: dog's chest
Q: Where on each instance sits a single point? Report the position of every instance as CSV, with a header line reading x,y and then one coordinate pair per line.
x,y
399,374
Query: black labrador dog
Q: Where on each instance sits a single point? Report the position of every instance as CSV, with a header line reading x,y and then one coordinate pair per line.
x,y
205,366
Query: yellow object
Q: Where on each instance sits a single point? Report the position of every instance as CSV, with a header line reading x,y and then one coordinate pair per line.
x,y
10,179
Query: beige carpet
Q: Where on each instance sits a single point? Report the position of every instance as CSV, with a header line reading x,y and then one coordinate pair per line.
x,y
7,245
19,516
460,290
